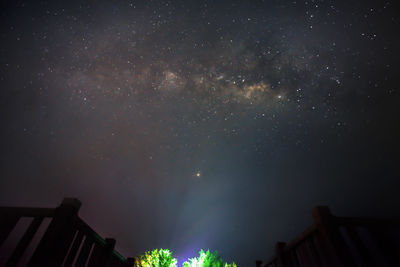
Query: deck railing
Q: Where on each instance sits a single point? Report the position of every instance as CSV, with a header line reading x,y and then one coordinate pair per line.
x,y
53,237
340,241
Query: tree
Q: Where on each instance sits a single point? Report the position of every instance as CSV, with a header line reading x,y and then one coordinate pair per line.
x,y
207,259
156,258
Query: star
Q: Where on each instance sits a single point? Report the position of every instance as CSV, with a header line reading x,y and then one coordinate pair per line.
x,y
139,98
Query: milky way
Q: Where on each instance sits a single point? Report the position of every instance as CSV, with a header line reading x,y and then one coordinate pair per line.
x,y
200,124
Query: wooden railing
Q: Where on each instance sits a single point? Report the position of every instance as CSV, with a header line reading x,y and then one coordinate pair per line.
x,y
339,241
66,240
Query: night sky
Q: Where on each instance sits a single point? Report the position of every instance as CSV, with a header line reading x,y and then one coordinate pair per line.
x,y
201,124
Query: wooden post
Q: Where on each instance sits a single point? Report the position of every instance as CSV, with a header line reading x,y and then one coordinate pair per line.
x,y
279,248
131,261
109,250
54,245
330,235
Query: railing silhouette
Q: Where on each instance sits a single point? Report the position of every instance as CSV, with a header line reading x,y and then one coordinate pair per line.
x,y
58,237
341,241
54,237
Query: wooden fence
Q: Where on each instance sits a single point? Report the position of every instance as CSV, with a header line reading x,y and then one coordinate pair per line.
x,y
53,237
340,241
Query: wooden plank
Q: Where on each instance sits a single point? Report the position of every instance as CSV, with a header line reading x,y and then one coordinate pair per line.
x,y
373,250
330,235
306,234
74,249
304,255
361,248
7,224
322,250
102,253
386,243
55,243
97,258
28,212
89,256
24,242
312,250
369,222
279,248
84,253
292,259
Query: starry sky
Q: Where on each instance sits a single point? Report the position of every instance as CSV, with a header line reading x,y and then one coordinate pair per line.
x,y
201,124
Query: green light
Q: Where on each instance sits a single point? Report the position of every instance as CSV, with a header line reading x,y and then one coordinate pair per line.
x,y
207,259
156,258
119,256
163,258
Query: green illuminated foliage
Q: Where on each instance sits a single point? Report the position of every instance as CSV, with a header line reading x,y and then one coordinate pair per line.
x,y
207,259
156,258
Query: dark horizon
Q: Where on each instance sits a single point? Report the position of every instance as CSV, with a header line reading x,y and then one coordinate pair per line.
x,y
190,125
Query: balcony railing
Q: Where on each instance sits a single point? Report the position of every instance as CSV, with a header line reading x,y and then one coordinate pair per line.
x,y
54,237
340,241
